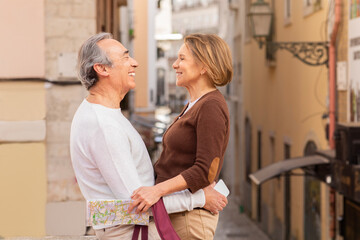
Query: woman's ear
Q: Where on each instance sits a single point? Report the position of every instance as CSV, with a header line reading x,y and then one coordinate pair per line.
x,y
203,71
101,69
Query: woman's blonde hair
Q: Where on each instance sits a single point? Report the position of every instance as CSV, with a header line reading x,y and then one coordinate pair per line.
x,y
214,53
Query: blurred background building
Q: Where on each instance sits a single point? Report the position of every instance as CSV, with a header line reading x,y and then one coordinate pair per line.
x,y
280,107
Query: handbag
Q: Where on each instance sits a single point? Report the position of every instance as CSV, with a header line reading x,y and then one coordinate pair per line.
x,y
163,224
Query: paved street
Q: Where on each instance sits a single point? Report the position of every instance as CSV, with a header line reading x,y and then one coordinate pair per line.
x,y
237,226
232,226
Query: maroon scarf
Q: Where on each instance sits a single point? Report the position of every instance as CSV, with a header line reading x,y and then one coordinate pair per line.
x,y
162,222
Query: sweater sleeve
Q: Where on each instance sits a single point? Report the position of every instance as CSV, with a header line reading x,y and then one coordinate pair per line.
x,y
110,149
184,201
211,134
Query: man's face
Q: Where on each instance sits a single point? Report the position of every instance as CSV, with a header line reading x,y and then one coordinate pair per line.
x,y
122,72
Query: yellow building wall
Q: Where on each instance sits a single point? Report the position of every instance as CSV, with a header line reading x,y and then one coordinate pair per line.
x,y
286,100
22,101
141,52
22,164
23,189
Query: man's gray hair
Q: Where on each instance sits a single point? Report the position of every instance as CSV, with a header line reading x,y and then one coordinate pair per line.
x,y
90,54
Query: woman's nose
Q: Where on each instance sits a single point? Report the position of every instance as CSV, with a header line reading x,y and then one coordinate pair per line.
x,y
175,64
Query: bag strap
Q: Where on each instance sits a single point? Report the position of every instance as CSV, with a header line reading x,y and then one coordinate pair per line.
x,y
163,222
144,234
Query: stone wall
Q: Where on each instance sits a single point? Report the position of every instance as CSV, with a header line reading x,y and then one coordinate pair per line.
x,y
67,24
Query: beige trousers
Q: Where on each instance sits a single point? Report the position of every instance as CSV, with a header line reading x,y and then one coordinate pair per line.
x,y
125,232
196,224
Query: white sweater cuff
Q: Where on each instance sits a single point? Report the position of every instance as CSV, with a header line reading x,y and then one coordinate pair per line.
x,y
198,199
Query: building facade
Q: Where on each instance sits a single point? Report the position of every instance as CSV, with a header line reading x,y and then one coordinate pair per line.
x,y
286,113
283,115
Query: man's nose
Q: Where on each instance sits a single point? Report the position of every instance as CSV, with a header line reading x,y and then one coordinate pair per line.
x,y
134,63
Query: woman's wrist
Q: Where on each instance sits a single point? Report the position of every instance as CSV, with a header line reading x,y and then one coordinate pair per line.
x,y
160,189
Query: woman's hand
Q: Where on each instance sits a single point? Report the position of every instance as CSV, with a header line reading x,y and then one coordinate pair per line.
x,y
214,201
144,198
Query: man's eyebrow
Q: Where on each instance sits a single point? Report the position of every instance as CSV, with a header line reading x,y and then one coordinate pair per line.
x,y
125,52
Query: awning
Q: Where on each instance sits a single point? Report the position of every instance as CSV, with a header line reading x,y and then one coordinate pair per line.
x,y
278,168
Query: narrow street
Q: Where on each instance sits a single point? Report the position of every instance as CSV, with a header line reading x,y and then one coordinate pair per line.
x,y
234,225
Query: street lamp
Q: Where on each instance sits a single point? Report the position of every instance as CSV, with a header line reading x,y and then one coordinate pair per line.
x,y
261,17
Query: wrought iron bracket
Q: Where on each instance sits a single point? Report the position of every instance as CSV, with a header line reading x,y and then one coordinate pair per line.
x,y
311,53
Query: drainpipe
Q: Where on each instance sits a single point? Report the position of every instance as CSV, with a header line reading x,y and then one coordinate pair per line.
x,y
332,100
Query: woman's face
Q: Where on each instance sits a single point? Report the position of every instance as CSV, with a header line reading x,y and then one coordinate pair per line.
x,y
186,67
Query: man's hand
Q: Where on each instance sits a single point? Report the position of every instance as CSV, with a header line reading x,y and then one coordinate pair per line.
x,y
144,198
214,201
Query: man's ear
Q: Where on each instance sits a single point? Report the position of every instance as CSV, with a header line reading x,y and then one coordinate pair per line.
x,y
101,69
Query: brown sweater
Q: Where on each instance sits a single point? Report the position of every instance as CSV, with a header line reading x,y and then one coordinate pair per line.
x,y
194,145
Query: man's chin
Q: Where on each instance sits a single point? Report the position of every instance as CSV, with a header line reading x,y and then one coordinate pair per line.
x,y
132,86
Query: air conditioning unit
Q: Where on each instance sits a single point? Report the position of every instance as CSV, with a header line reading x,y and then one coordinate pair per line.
x,y
347,142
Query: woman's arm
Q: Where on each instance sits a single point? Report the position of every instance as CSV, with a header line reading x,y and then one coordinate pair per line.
x,y
145,197
180,201
212,134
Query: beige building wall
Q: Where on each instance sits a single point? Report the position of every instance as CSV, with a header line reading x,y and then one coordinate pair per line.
x,y
141,52
22,47
22,159
286,101
22,119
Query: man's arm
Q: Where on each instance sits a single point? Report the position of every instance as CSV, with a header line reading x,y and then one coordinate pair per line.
x,y
207,198
184,201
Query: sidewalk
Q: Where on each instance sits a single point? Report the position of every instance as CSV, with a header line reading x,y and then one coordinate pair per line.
x,y
237,226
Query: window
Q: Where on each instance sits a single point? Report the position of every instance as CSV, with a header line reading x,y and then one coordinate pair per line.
x,y
107,18
160,87
312,217
259,167
248,156
311,6
247,149
248,32
287,12
272,149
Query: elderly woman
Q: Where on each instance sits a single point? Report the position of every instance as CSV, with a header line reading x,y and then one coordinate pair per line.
x,y
194,145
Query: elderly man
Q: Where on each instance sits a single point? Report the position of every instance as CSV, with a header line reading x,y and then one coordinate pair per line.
x,y
108,155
